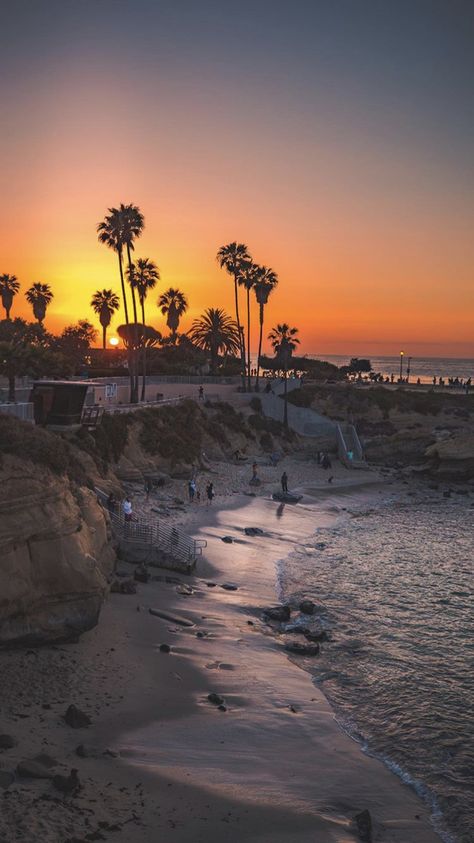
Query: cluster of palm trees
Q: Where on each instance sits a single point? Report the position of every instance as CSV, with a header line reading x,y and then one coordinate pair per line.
x,y
237,261
38,295
120,230
214,332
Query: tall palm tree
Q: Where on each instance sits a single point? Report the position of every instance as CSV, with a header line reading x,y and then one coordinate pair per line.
x,y
249,275
173,304
119,230
231,258
264,286
9,287
215,332
39,296
110,232
105,303
284,341
143,278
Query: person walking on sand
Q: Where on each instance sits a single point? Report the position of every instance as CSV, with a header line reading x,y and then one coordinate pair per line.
x,y
210,493
284,483
201,393
127,509
191,489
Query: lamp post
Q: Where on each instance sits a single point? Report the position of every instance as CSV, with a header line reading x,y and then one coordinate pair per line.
x,y
401,365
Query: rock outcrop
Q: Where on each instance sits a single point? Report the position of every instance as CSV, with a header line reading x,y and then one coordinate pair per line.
x,y
453,458
55,555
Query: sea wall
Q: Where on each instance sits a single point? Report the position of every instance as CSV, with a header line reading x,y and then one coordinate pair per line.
x,y
55,555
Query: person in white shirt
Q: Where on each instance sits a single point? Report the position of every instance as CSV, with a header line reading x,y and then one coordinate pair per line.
x,y
127,509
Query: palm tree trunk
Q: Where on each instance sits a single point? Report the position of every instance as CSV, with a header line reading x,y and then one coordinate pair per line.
x,y
104,336
249,383
241,337
257,384
135,336
144,355
125,307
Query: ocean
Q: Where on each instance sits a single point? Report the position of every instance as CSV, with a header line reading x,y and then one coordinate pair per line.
x,y
393,586
424,368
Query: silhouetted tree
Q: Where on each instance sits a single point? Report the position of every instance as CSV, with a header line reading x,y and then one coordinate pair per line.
x,y
173,304
9,287
39,296
216,333
105,303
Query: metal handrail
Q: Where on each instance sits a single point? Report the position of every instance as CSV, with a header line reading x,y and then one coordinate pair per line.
x,y
141,531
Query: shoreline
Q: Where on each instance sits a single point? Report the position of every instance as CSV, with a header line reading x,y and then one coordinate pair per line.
x,y
166,737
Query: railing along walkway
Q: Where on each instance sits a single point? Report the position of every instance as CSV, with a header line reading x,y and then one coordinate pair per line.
x,y
142,531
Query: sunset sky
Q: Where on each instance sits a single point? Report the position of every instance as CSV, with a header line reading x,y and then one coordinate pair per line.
x,y
334,137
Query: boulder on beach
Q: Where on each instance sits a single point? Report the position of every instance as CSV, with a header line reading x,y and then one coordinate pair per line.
x,y
363,825
277,613
307,607
76,719
253,531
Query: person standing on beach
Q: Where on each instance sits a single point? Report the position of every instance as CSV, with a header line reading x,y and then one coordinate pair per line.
x,y
284,483
201,393
191,489
210,493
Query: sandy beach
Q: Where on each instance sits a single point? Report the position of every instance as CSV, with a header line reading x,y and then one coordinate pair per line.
x,y
164,763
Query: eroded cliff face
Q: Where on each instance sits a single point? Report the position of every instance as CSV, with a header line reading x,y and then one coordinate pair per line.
x,y
55,556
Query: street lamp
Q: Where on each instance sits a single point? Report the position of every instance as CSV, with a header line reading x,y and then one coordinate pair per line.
x,y
401,364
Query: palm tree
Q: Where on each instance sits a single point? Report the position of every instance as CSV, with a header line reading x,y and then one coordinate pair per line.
x,y
9,287
231,258
110,232
143,278
120,229
173,304
284,341
105,303
215,332
39,296
264,286
249,275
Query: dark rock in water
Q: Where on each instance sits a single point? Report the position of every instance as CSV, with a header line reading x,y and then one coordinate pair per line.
x,y
165,648
215,699
316,635
76,719
6,778
211,584
33,770
302,649
253,531
228,586
7,742
227,539
320,545
278,613
307,607
67,784
222,708
363,824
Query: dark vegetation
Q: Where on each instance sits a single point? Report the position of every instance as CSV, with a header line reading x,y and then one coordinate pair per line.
x,y
24,440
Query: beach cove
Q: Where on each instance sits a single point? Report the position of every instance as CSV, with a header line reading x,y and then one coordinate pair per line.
x,y
274,766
